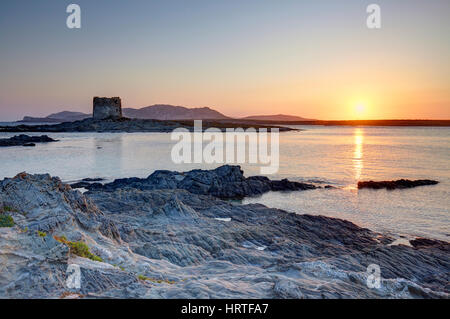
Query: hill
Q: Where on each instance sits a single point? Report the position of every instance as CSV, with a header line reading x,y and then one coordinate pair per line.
x,y
171,112
65,116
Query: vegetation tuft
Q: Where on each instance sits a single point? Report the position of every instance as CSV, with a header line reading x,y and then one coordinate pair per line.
x,y
78,248
6,221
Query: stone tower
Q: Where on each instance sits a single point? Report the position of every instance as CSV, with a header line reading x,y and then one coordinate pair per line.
x,y
105,108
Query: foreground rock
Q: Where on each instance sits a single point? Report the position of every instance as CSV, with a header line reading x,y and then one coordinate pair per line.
x,y
129,125
398,184
172,243
226,182
25,140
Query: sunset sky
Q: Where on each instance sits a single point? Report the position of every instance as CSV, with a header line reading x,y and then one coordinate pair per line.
x,y
315,59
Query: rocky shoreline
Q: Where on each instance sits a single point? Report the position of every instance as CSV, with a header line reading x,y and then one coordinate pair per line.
x,y
131,126
173,235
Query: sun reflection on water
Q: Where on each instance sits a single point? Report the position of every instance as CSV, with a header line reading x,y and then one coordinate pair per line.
x,y
358,163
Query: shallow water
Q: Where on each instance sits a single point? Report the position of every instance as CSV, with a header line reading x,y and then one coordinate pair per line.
x,y
339,156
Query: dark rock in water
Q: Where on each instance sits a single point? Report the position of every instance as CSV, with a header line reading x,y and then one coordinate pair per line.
x,y
80,185
98,179
87,182
401,183
226,182
25,140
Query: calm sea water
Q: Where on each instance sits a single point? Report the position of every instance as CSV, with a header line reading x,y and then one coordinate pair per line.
x,y
339,156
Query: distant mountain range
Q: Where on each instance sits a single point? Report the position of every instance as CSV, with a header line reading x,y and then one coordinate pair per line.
x,y
65,116
170,112
161,112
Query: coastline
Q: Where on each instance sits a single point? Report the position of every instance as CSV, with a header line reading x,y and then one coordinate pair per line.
x,y
399,123
129,125
173,235
132,126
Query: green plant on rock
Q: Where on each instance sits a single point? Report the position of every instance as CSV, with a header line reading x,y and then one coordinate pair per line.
x,y
6,221
9,209
78,248
81,249
142,277
41,234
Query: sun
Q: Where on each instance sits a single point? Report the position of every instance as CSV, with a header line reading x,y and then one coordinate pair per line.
x,y
360,110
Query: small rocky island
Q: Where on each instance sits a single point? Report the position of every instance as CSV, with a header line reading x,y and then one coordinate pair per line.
x,y
25,140
176,235
107,117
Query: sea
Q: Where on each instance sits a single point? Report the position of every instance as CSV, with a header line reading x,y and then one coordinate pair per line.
x,y
324,155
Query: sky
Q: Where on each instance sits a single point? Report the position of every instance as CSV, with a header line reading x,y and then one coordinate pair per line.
x,y
315,59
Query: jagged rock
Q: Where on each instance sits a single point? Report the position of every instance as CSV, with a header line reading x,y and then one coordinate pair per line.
x,y
277,240
428,243
401,183
54,250
191,245
287,289
25,140
90,180
227,182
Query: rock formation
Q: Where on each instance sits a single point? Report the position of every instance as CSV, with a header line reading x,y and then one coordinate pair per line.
x,y
107,108
225,182
398,184
174,243
25,140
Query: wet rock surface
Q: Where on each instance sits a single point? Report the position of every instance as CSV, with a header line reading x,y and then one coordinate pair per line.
x,y
397,184
173,243
25,140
